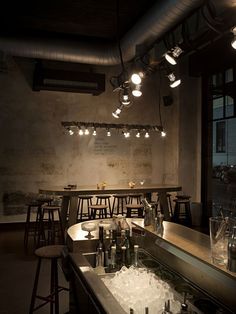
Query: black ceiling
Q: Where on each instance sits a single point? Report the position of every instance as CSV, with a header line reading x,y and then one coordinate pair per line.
x,y
71,18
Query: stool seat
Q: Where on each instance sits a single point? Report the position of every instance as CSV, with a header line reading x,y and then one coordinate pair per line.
x,y
120,195
131,207
102,211
183,197
85,197
49,251
103,196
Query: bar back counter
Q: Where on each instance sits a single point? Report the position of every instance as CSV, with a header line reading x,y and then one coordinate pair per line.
x,y
181,256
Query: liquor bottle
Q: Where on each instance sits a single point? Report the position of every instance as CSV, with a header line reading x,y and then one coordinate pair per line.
x,y
126,243
232,251
111,243
136,252
100,249
112,265
123,256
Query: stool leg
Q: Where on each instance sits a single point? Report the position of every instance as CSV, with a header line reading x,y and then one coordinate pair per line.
x,y
35,287
61,228
26,235
109,206
128,213
54,287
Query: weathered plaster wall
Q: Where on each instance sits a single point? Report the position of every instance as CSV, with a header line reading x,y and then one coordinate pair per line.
x,y
190,134
35,152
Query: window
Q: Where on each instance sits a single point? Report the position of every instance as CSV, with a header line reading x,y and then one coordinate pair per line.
x,y
220,137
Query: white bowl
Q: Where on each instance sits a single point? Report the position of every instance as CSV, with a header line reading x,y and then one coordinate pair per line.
x,y
89,226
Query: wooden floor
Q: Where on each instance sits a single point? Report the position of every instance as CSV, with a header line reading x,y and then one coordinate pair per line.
x,y
17,271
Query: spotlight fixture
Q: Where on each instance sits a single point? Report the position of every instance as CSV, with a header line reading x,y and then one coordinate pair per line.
x,y
108,132
173,55
233,42
124,95
173,81
116,113
137,91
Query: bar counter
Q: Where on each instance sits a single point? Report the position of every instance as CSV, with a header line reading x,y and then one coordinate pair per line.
x,y
70,197
184,250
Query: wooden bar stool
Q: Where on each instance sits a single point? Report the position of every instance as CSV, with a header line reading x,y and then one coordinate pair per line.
x,y
100,209
182,211
119,203
32,226
53,253
134,210
168,195
104,200
50,225
135,198
84,199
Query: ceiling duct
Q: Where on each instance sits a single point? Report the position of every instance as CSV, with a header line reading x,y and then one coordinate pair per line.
x,y
162,17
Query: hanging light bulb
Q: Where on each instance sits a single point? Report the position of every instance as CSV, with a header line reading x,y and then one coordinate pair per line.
x,y
126,133
108,132
81,132
163,133
173,82
138,134
146,135
233,42
71,132
137,91
94,132
86,131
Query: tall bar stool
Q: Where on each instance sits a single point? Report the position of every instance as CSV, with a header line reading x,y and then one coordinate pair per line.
x,y
104,200
182,211
135,198
119,203
32,226
82,200
50,228
101,210
169,201
134,210
52,253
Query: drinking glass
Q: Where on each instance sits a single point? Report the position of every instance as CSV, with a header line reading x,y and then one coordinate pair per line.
x,y
219,240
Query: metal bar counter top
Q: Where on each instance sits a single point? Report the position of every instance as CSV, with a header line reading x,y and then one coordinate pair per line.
x,y
184,250
70,197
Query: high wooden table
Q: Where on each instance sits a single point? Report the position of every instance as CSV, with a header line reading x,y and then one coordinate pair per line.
x,y
70,197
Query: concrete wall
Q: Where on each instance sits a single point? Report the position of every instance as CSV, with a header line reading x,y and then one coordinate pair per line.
x,y
36,153
189,171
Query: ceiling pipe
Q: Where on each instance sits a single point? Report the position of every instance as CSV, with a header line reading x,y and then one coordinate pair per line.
x,y
162,17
